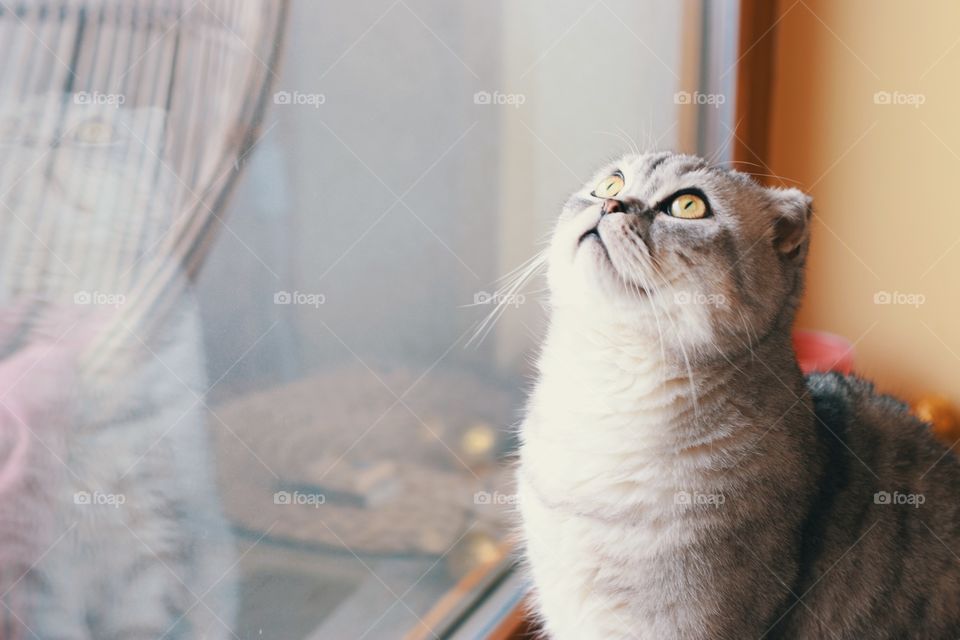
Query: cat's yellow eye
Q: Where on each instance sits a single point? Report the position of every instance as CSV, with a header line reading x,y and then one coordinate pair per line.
x,y
609,187
689,206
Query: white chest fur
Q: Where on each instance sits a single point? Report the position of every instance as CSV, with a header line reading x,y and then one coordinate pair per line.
x,y
608,444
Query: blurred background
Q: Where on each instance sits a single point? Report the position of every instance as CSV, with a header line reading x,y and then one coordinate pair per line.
x,y
246,390
868,130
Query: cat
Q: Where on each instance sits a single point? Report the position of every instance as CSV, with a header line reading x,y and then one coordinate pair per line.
x,y
678,475
115,528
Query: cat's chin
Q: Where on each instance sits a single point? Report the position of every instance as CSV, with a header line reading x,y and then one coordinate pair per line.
x,y
592,243
593,259
601,281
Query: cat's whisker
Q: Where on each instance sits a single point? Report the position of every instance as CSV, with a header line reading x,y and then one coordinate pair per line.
x,y
618,136
771,175
656,319
650,136
633,142
734,164
654,272
686,359
725,145
507,295
650,295
748,326
738,162
520,268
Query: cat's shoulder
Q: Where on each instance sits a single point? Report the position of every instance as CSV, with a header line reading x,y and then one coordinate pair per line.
x,y
847,404
836,394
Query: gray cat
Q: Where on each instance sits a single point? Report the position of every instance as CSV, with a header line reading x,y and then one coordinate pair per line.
x,y
679,476
114,530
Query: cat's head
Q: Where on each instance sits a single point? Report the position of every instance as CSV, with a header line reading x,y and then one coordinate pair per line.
x,y
693,255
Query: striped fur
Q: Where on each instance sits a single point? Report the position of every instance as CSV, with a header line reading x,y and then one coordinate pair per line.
x,y
159,564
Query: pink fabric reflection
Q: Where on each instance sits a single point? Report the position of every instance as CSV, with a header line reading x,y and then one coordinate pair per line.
x,y
36,384
822,351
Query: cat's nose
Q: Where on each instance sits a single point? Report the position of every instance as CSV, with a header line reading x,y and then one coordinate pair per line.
x,y
611,206
620,206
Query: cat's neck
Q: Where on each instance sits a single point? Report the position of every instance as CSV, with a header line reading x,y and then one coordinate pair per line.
x,y
620,380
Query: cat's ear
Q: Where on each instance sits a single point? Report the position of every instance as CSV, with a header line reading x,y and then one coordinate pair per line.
x,y
791,226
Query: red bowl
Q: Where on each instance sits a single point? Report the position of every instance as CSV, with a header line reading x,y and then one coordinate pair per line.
x,y
822,351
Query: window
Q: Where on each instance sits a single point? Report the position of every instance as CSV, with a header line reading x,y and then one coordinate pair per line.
x,y
249,250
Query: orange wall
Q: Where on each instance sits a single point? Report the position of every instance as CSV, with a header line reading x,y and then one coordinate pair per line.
x,y
884,178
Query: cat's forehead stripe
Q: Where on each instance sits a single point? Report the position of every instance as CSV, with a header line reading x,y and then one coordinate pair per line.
x,y
652,163
650,177
666,162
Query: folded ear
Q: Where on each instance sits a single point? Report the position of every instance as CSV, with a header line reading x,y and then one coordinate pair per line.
x,y
791,226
